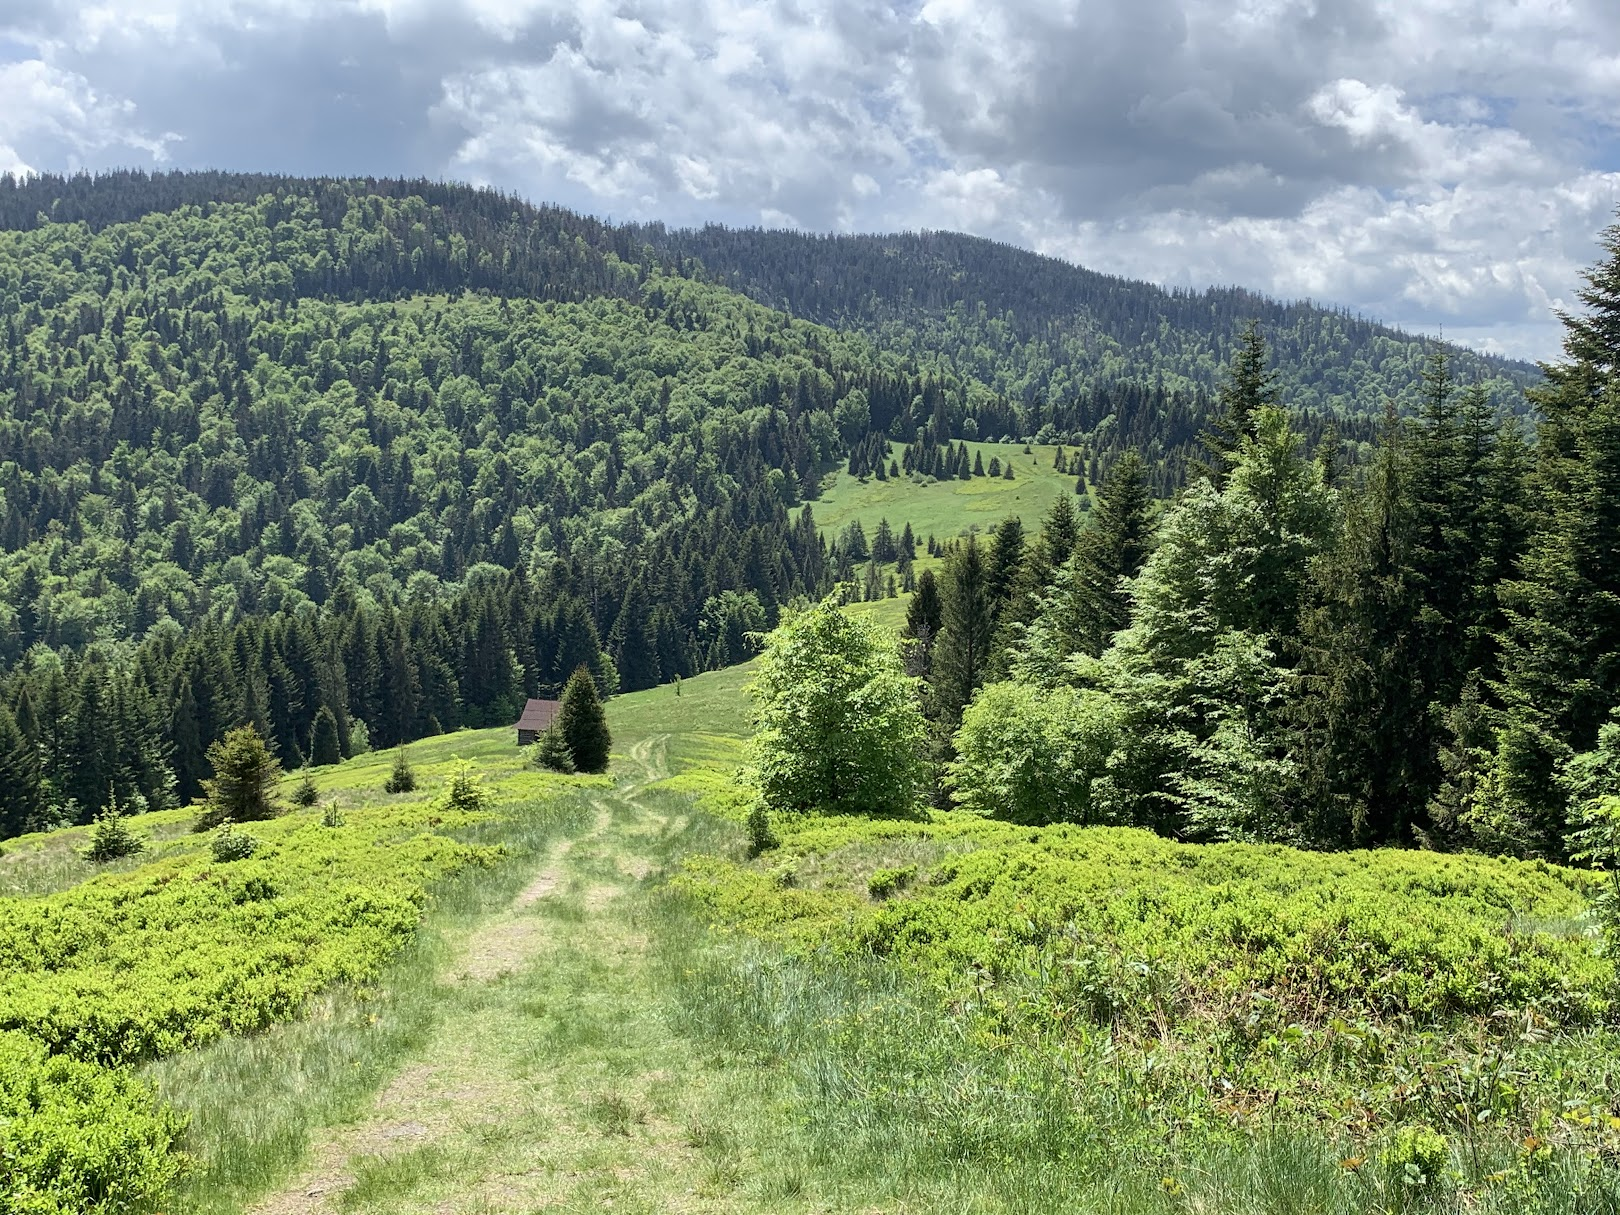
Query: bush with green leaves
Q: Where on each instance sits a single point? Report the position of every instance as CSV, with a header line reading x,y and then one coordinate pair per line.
x,y
838,723
1036,755
229,844
80,1139
761,837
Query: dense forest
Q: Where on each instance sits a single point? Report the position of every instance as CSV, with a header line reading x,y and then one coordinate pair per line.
x,y
386,457
1424,654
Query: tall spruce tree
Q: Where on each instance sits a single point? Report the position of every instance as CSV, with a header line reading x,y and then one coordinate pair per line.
x,y
1089,601
967,625
1250,386
583,724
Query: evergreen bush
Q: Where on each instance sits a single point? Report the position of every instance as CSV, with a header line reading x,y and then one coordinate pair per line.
x,y
466,791
761,837
552,751
305,793
403,778
112,837
243,787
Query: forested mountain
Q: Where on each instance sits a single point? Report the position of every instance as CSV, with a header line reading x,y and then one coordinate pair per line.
x,y
401,453
1055,337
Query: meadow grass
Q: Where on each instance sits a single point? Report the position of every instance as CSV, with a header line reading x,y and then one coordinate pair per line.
x,y
946,508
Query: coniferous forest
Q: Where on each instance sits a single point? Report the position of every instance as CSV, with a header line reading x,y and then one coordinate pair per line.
x,y
401,454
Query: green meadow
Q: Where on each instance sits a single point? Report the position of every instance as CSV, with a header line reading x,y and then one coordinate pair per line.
x,y
948,508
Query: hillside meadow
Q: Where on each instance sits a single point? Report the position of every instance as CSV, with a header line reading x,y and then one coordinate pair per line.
x,y
939,1013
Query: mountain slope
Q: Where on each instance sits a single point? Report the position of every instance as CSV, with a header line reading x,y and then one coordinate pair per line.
x,y
1049,334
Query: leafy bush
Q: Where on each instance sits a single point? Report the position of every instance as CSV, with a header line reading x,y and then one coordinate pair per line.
x,y
78,1139
112,837
230,844
761,838
886,882
1415,1155
1137,927
1034,755
839,727
177,953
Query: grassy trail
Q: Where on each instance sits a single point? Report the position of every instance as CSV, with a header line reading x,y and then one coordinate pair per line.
x,y
553,1080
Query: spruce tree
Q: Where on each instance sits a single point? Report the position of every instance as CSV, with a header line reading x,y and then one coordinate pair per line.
x,y
583,724
962,650
324,748
1561,677
1089,601
402,778
1250,386
20,801
243,787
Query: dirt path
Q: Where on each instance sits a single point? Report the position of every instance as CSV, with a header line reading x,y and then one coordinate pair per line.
x,y
552,1082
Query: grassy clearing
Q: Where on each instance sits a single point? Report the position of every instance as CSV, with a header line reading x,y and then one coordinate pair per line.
x,y
946,508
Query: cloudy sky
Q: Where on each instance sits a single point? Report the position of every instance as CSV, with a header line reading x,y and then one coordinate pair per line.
x,y
1428,162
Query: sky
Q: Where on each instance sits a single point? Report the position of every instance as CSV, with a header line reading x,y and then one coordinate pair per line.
x,y
1444,165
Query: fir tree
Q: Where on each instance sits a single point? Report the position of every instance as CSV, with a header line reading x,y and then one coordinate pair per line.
x,y
1250,386
402,778
552,751
243,787
20,802
583,724
324,748
962,650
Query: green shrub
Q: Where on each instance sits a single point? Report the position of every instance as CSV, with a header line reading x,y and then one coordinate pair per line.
x,y
466,793
230,844
1415,1155
552,752
112,837
761,837
886,882
79,1139
403,778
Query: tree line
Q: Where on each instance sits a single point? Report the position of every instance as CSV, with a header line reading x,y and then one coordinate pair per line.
x,y
1426,652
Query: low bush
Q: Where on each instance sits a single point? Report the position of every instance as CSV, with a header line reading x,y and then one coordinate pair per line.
x,y
132,966
229,844
78,1139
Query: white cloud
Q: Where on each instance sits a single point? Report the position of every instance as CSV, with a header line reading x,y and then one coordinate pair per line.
x,y
46,104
